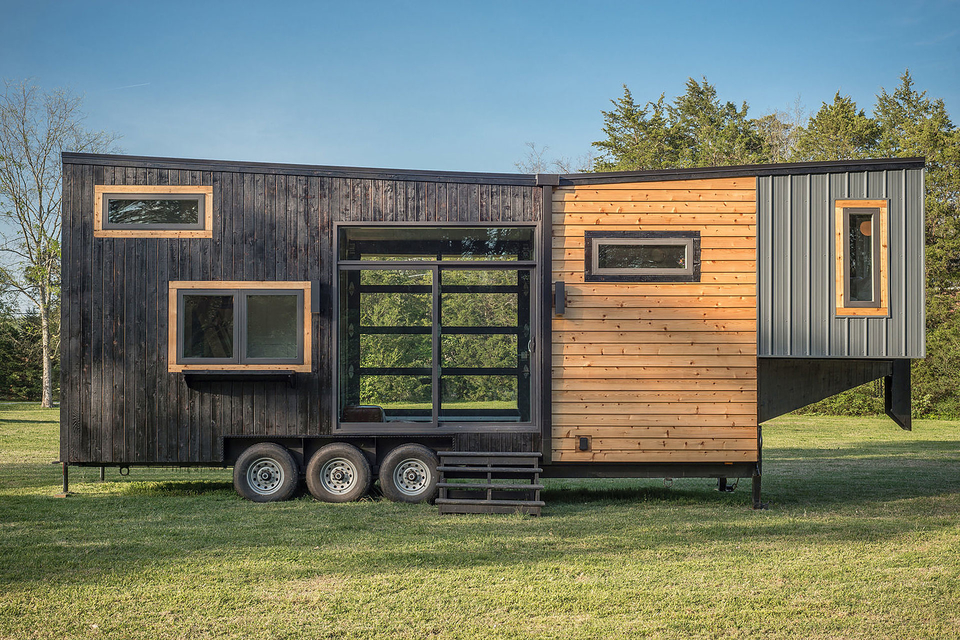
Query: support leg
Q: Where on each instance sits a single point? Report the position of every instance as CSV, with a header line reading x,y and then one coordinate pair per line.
x,y
102,470
66,481
756,493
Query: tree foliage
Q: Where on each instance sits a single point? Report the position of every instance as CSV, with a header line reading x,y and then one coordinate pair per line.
x,y
35,128
695,130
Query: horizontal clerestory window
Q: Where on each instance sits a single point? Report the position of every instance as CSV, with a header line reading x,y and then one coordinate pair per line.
x,y
138,211
642,256
239,325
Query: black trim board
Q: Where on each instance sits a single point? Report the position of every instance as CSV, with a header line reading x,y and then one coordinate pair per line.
x,y
531,180
234,166
743,171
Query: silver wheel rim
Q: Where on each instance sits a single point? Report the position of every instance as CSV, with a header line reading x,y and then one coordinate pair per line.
x,y
412,477
265,476
338,476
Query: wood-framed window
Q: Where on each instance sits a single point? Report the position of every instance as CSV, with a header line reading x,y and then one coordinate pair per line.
x,y
862,256
142,211
642,256
228,326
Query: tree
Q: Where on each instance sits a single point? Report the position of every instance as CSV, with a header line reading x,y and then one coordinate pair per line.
x,y
536,161
838,132
695,130
912,125
779,131
708,133
35,127
637,139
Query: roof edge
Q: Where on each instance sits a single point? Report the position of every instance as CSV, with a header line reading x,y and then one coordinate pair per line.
x,y
239,166
750,170
519,179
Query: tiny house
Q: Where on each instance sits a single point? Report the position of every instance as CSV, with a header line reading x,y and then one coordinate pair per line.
x,y
341,324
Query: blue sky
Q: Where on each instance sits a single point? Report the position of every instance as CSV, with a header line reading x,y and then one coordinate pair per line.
x,y
450,85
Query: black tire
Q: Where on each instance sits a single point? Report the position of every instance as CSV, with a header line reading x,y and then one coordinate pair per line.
x,y
409,474
338,472
266,472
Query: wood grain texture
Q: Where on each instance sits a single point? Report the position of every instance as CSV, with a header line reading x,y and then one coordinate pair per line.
x,y
208,202
286,285
657,372
122,402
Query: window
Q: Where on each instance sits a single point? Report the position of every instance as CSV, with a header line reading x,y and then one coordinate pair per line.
x,y
642,256
861,257
138,211
239,325
435,326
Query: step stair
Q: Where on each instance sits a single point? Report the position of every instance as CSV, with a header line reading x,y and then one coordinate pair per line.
x,y
489,482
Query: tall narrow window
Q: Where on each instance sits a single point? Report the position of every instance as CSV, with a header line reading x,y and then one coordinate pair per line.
x,y
861,257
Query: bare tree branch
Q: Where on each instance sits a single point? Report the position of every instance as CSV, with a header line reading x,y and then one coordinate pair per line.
x,y
35,128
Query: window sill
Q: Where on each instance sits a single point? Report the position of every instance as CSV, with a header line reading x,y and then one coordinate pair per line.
x,y
195,377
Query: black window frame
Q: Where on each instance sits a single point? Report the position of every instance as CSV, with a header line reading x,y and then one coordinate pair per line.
x,y
199,198
593,273
435,425
240,328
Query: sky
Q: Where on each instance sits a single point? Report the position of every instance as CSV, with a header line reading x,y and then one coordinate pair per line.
x,y
458,86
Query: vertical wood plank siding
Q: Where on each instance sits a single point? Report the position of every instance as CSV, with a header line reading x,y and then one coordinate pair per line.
x,y
119,403
657,372
797,309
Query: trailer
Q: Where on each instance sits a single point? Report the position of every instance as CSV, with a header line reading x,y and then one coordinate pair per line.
x,y
463,335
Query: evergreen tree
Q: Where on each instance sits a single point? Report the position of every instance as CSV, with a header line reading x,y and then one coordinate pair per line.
x,y
838,131
695,130
914,125
637,138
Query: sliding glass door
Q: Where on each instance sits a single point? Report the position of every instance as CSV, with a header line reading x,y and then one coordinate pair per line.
x,y
435,327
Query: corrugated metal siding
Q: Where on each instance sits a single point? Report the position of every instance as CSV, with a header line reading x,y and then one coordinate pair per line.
x,y
796,269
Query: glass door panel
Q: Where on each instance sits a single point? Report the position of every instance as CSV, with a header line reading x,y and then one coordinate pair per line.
x,y
484,345
386,344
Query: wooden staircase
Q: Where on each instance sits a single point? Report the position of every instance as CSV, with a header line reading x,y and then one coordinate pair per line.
x,y
489,482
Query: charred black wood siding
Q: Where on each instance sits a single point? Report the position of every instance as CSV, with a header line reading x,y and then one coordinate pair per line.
x,y
120,405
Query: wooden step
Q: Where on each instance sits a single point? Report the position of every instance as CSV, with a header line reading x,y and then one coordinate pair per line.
x,y
529,503
482,489
491,469
486,485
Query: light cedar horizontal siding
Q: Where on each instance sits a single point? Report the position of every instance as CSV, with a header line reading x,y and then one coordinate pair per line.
x,y
732,230
657,372
655,455
711,242
656,349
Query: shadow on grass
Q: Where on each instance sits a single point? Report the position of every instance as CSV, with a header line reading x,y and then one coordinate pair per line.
x,y
173,488
587,495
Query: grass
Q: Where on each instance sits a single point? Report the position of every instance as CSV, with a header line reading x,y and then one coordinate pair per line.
x,y
862,539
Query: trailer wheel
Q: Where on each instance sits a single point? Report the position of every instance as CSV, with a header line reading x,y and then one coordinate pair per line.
x,y
338,472
409,474
266,472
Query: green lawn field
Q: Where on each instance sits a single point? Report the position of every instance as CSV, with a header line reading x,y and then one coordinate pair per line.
x,y
862,539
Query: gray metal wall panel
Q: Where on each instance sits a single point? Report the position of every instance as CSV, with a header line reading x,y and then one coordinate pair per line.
x,y
796,270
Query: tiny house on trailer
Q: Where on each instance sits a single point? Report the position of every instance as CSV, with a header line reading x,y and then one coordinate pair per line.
x,y
341,324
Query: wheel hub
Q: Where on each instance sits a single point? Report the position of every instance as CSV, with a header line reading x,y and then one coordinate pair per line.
x,y
265,476
412,476
339,476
